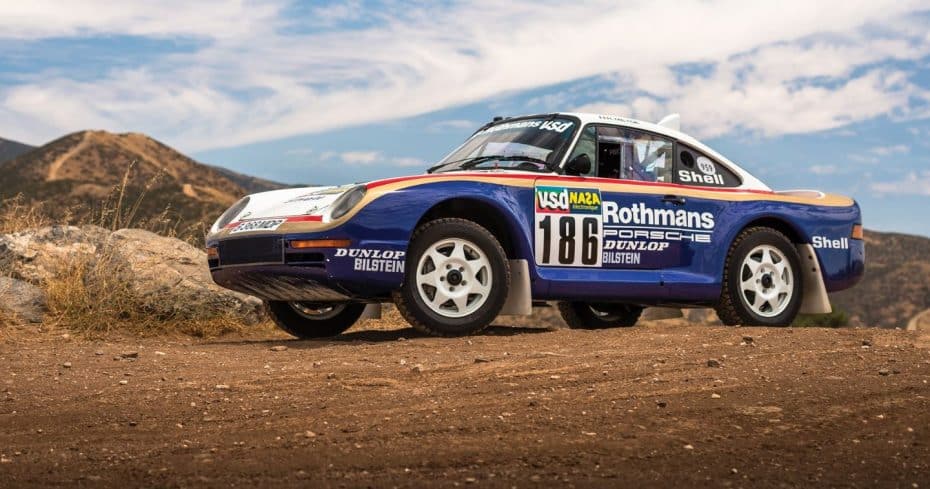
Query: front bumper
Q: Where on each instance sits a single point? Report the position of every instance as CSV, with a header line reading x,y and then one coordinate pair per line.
x,y
267,267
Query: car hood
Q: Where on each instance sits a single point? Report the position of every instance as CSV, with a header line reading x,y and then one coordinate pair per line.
x,y
304,201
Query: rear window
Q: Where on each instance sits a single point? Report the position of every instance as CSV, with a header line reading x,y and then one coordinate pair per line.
x,y
695,168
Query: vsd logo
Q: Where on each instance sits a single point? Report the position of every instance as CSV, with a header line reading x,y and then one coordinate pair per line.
x,y
552,200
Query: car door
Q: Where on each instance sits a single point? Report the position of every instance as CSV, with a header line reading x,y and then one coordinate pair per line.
x,y
603,234
702,184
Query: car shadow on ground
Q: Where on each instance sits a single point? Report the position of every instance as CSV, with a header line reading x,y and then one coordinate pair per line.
x,y
375,336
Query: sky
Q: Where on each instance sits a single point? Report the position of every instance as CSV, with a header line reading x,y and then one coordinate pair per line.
x,y
832,95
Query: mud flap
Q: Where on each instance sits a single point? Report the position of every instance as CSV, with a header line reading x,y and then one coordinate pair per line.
x,y
520,299
372,311
815,300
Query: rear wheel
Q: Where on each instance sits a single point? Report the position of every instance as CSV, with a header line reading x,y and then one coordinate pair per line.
x,y
307,320
761,280
457,278
590,315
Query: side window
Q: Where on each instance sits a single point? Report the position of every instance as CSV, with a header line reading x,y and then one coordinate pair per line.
x,y
628,154
696,169
587,144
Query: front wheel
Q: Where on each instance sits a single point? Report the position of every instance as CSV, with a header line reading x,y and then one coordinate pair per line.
x,y
457,278
587,315
307,320
761,280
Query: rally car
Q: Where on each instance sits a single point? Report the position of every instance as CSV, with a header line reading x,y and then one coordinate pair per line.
x,y
604,215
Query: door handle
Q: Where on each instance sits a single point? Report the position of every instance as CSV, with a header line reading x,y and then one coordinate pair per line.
x,y
674,199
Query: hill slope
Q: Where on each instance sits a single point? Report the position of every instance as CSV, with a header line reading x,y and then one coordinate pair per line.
x,y
79,172
895,287
11,149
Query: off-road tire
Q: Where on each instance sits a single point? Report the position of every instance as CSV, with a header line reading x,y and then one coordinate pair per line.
x,y
295,324
580,315
411,305
731,308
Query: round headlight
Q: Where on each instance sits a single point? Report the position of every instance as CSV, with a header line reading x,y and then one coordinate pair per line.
x,y
230,214
345,202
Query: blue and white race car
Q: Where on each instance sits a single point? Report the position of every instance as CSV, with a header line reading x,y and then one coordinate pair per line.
x,y
605,215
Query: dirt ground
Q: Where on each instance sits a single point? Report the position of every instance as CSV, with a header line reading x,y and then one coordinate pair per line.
x,y
515,407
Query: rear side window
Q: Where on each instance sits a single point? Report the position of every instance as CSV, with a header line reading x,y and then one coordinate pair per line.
x,y
629,154
694,168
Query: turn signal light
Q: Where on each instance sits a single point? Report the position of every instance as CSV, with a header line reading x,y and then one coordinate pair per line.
x,y
213,253
857,231
320,243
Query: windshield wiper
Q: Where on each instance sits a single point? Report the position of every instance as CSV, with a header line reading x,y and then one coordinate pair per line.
x,y
477,160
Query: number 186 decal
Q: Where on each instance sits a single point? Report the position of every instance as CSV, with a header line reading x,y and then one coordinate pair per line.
x,y
569,227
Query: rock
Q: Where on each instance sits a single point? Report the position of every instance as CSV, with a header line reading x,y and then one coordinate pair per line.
x,y
278,348
173,279
689,447
129,354
748,340
166,277
221,387
331,375
123,382
713,363
715,396
866,342
920,321
481,360
661,404
702,316
21,301
418,368
66,365
35,255
884,372
659,313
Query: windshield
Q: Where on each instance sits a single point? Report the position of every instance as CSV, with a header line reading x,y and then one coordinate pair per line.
x,y
525,144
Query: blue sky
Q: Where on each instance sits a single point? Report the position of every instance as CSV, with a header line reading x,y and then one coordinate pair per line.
x,y
831,94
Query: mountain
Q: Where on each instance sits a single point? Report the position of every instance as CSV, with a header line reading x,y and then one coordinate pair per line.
x,y
896,285
251,184
11,149
79,175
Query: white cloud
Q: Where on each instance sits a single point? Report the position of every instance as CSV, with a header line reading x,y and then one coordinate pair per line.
x,y
453,124
360,157
823,169
219,19
428,57
912,184
890,150
373,157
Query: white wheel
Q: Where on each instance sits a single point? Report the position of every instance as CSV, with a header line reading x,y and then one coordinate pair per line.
x,y
457,278
453,277
766,281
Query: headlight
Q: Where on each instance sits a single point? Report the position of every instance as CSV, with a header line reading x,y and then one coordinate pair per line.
x,y
230,214
345,202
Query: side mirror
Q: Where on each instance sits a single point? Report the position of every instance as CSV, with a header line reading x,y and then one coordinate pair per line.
x,y
579,165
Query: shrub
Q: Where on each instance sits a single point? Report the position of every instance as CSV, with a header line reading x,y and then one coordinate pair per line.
x,y
836,319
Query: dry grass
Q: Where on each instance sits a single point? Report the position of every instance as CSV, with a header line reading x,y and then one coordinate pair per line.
x,y
92,296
